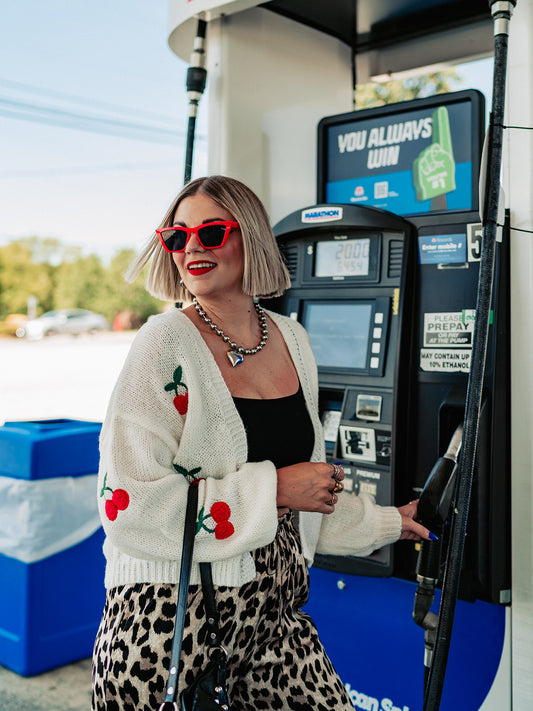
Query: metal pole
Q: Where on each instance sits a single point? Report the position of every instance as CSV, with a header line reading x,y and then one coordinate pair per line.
x,y
501,12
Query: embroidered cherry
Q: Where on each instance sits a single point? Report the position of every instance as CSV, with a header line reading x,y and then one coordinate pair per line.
x,y
181,401
111,510
119,500
220,513
224,529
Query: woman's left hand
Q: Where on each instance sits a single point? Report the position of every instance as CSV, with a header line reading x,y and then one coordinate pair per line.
x,y
411,529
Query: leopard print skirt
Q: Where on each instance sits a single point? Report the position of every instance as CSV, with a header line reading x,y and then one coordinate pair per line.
x,y
275,659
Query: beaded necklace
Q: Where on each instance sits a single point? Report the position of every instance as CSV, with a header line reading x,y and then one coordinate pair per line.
x,y
236,353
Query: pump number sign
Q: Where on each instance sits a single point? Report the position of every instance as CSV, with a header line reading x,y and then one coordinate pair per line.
x,y
410,158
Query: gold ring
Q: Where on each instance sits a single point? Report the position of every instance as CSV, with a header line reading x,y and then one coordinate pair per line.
x,y
330,502
339,486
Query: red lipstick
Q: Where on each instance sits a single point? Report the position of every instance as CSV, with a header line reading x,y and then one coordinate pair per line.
x,y
200,267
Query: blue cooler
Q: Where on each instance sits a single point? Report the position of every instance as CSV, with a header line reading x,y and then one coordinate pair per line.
x,y
51,562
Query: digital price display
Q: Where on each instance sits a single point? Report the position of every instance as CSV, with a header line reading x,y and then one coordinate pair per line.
x,y
350,257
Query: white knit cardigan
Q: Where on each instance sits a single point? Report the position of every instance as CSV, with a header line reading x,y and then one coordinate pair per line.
x,y
171,419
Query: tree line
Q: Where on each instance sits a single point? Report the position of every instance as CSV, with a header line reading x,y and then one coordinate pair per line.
x,y
60,277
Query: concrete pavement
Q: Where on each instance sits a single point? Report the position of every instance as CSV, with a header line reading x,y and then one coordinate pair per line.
x,y
67,688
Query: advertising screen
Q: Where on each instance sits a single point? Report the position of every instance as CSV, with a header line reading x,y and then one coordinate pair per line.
x,y
410,158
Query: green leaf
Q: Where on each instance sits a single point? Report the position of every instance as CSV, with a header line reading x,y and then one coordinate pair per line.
x,y
195,471
200,521
180,470
170,386
177,374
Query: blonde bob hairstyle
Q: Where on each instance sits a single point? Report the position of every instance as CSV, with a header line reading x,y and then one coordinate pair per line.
x,y
265,273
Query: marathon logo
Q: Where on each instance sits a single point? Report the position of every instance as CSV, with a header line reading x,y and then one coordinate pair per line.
x,y
322,214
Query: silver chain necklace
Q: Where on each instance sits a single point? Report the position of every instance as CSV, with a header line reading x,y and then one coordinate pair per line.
x,y
236,353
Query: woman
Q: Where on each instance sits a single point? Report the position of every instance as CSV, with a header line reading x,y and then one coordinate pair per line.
x,y
226,393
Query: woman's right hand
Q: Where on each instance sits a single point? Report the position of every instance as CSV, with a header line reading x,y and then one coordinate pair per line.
x,y
308,486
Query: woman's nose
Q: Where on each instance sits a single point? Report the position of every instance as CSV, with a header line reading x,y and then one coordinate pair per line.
x,y
193,244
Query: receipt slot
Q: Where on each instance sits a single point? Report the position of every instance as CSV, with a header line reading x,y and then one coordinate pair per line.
x,y
352,288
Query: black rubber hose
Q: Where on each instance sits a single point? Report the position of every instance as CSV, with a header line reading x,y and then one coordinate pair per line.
x,y
191,127
454,559
195,82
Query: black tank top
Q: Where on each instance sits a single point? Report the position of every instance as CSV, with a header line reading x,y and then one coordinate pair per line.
x,y
279,430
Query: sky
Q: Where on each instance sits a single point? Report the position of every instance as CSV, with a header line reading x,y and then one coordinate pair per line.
x,y
102,65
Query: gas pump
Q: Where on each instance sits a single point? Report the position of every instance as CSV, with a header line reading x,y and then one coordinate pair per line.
x,y
351,288
391,326
389,304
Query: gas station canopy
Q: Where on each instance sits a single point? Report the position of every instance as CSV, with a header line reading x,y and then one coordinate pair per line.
x,y
436,31
367,24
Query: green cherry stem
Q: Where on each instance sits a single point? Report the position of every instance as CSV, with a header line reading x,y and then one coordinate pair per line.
x,y
104,487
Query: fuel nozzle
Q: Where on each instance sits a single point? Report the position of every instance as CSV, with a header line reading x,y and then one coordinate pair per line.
x,y
436,497
434,507
433,511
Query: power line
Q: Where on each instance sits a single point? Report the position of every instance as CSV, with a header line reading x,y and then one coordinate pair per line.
x,y
73,99
55,172
50,121
67,119
76,116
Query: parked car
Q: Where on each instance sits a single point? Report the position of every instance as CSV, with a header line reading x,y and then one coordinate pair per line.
x,y
12,323
73,321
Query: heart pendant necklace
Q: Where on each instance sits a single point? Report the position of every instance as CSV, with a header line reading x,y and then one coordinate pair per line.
x,y
236,353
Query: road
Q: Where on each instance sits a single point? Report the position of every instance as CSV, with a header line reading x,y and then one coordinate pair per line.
x,y
58,377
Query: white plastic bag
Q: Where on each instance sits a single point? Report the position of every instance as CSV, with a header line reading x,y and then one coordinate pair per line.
x,y
39,518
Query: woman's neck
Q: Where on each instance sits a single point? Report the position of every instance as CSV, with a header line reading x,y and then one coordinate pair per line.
x,y
236,316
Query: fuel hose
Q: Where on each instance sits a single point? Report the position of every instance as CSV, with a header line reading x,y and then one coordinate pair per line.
x,y
196,81
501,12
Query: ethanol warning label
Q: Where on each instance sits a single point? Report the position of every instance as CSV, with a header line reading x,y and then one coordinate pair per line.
x,y
449,329
445,360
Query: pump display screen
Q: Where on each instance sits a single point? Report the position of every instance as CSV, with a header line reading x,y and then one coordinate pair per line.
x,y
348,257
339,332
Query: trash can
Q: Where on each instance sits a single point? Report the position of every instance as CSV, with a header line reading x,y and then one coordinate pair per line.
x,y
51,562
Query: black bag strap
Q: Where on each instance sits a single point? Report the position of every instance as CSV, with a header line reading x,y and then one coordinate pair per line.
x,y
183,590
211,611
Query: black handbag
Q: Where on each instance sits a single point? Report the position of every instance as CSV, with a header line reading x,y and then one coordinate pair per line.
x,y
208,692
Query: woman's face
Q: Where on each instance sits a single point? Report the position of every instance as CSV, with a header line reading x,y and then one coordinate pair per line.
x,y
208,272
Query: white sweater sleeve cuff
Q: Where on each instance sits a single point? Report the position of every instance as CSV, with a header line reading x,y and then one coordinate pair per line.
x,y
358,526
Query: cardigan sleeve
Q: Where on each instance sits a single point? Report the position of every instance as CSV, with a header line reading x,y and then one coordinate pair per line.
x,y
156,439
358,526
